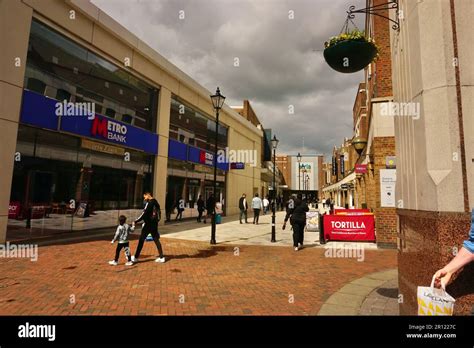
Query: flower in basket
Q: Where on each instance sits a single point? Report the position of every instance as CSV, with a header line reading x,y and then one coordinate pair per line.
x,y
350,51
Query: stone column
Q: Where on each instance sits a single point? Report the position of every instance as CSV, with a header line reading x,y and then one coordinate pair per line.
x,y
161,161
435,174
15,21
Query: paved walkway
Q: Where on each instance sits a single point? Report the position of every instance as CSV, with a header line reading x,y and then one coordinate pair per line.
x,y
231,231
197,279
373,294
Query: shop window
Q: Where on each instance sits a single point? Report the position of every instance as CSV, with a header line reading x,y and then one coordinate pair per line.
x,y
36,85
62,94
110,113
87,72
127,118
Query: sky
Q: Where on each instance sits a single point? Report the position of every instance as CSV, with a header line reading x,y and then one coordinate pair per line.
x,y
266,51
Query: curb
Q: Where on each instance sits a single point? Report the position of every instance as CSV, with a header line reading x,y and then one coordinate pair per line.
x,y
349,299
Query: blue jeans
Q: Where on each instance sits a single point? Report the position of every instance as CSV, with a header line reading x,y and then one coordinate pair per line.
x,y
469,244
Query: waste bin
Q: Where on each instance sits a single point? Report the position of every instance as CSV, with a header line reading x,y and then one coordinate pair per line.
x,y
218,219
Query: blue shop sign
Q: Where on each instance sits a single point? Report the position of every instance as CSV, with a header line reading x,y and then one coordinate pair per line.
x,y
40,111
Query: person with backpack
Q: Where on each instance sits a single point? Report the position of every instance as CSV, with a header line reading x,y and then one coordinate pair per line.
x,y
150,216
180,208
298,221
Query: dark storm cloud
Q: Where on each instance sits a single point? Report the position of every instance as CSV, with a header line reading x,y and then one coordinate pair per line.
x,y
280,59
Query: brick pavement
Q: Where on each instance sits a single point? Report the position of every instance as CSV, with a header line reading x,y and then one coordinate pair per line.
x,y
197,279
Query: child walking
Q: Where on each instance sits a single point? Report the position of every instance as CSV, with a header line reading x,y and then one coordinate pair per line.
x,y
121,235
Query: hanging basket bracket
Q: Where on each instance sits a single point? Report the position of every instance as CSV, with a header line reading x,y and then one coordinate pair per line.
x,y
374,10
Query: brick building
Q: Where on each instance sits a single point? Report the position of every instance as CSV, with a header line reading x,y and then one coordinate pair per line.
x,y
376,130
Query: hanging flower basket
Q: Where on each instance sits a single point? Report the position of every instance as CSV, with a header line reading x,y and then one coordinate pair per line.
x,y
350,52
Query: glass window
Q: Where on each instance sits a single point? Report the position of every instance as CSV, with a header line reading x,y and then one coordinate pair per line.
x,y
194,128
57,169
60,68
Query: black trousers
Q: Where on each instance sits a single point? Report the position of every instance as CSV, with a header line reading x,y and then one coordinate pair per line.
x,y
256,214
199,215
298,233
127,251
243,213
156,239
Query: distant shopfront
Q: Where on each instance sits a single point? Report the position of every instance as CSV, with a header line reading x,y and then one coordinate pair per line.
x,y
76,172
191,157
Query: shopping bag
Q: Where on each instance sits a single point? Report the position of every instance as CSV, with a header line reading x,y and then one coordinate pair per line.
x,y
433,301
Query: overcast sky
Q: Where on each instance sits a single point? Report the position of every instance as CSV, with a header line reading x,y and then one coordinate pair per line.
x,y
280,58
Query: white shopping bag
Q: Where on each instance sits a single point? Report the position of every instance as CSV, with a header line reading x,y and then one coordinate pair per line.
x,y
433,301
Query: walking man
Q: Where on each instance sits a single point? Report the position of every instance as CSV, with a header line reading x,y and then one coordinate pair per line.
x,y
168,206
266,202
243,207
297,216
150,216
210,207
201,208
257,206
180,207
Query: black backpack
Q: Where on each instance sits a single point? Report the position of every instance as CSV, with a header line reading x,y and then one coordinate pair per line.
x,y
156,214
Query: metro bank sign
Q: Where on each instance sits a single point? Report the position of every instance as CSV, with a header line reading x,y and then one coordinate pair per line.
x,y
109,130
40,111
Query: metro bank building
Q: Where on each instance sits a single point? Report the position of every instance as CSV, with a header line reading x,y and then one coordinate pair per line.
x,y
148,125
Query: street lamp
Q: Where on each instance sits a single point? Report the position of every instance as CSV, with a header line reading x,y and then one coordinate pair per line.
x,y
298,158
217,102
274,146
359,144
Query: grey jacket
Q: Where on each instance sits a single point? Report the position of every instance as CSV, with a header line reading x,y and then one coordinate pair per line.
x,y
122,233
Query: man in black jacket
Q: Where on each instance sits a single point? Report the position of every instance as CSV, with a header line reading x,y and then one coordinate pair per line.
x,y
150,216
200,207
298,221
243,206
210,207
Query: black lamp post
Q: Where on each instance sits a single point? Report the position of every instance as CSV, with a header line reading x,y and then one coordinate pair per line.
x,y
274,146
298,158
304,179
217,102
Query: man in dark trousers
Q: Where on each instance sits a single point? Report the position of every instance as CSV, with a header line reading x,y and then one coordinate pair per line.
x,y
168,206
243,206
298,221
150,216
210,207
201,208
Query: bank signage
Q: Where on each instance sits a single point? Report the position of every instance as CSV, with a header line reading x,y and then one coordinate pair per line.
x,y
237,165
112,131
201,156
206,158
41,111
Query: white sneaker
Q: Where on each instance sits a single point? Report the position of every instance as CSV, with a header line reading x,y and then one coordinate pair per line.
x,y
160,259
113,263
129,263
134,259
296,248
